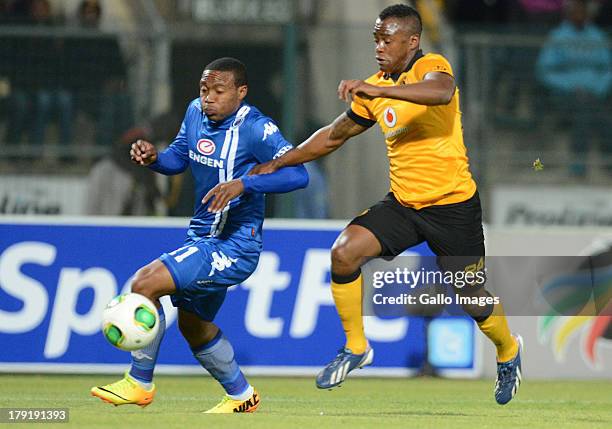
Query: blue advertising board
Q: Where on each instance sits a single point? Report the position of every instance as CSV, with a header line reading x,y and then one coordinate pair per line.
x,y
56,277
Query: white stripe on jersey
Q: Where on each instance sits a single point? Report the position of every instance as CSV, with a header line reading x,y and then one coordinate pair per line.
x,y
226,144
233,148
224,150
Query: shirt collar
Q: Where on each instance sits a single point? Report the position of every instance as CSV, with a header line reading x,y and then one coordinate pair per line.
x,y
224,122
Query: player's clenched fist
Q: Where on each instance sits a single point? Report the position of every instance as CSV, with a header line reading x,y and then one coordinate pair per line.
x,y
348,88
143,152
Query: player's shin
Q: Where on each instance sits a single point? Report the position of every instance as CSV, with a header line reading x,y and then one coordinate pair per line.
x,y
143,360
493,323
347,292
217,357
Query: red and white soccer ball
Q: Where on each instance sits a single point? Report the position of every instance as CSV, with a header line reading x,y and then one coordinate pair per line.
x,y
130,321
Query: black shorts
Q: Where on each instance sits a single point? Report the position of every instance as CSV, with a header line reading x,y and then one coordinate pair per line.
x,y
451,231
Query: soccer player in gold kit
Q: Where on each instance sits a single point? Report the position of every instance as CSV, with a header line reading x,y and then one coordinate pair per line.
x,y
433,198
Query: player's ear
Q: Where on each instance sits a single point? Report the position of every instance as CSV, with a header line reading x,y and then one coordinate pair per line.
x,y
414,40
242,92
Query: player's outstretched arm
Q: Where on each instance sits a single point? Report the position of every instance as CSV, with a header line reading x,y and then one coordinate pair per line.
x,y
322,142
169,162
286,179
435,89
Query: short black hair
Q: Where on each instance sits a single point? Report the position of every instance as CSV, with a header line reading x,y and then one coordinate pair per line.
x,y
237,68
403,11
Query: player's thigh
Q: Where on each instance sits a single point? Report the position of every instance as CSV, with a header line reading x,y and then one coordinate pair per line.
x,y
388,221
204,269
454,233
209,261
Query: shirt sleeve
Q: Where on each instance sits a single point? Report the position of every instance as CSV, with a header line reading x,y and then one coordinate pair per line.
x,y
286,179
175,158
432,63
360,113
267,142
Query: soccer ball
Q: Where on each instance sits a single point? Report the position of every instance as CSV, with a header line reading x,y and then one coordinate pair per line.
x,y
130,321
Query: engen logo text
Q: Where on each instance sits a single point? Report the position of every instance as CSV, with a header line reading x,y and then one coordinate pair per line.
x,y
204,160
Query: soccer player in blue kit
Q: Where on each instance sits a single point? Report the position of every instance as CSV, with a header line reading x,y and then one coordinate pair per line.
x,y
221,139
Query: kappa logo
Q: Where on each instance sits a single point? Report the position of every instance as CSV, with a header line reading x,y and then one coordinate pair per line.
x,y
390,117
269,129
220,262
139,354
206,146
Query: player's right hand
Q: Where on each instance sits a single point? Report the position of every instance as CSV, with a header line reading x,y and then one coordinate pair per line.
x,y
143,152
348,88
344,90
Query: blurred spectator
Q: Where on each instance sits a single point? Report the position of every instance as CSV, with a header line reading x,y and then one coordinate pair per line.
x,y
98,75
4,11
29,12
576,69
312,202
542,6
89,13
546,12
478,11
603,11
432,12
117,187
179,198
38,89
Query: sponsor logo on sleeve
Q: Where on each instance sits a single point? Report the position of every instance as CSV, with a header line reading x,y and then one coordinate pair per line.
x,y
283,150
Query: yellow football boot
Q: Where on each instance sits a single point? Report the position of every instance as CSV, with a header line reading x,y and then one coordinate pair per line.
x,y
229,405
123,392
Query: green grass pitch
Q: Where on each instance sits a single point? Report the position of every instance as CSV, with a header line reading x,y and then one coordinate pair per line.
x,y
296,403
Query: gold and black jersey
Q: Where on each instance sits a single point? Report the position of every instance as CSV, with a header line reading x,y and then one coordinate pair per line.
x,y
428,163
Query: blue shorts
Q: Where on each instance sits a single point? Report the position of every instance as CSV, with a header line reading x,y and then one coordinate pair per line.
x,y
204,268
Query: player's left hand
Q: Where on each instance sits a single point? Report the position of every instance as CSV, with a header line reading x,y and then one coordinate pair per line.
x,y
265,168
348,88
222,194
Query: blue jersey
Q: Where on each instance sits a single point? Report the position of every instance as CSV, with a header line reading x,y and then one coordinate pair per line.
x,y
218,152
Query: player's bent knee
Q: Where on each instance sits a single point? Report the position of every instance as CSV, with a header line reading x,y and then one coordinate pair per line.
x,y
153,281
344,261
143,286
